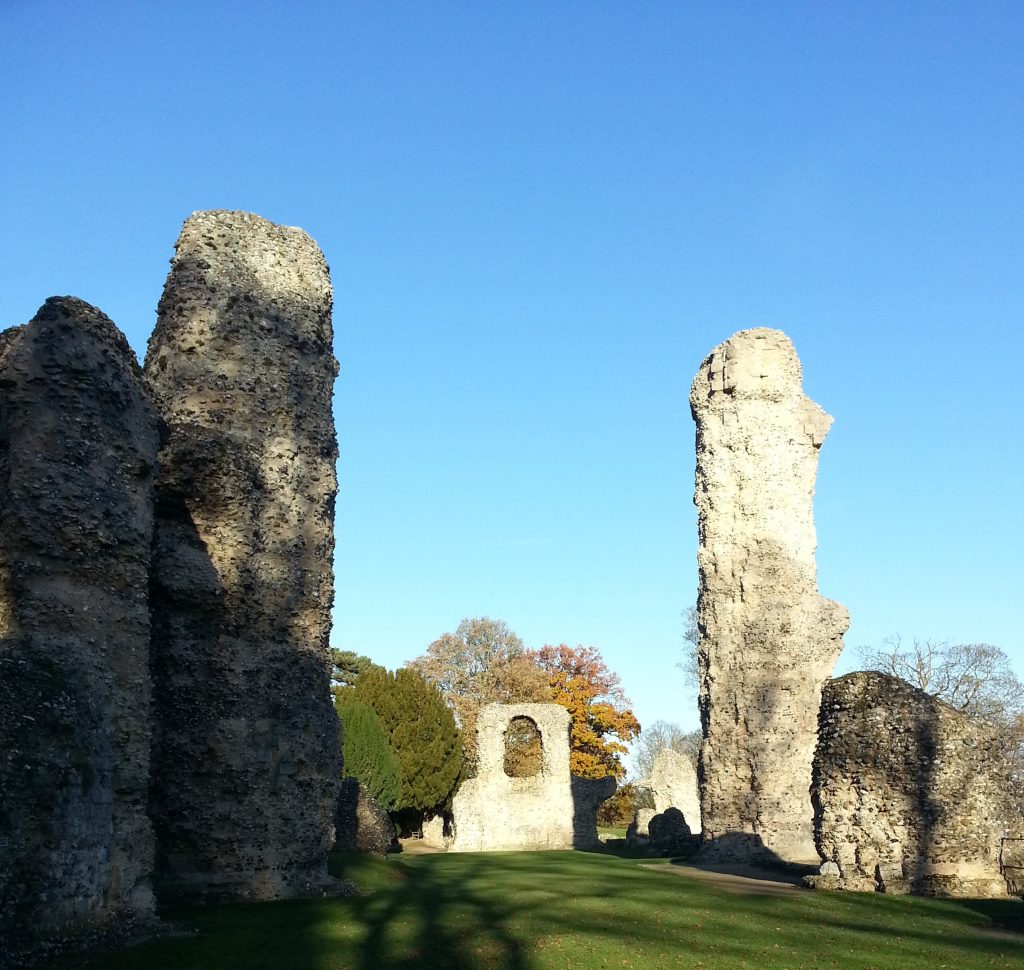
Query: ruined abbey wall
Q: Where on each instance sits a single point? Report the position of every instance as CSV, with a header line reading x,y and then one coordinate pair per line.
x,y
910,794
246,762
166,543
673,783
78,445
768,639
496,812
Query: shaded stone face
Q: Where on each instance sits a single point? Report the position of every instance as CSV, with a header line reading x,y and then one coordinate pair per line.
x,y
78,444
241,366
910,794
362,824
768,639
588,794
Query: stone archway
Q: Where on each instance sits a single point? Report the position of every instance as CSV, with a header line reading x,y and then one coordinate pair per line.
x,y
524,748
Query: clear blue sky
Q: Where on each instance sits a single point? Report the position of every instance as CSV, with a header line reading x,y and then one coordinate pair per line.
x,y
540,217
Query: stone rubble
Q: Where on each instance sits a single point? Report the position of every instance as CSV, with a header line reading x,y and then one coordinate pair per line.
x,y
437,832
548,810
361,823
673,783
668,833
588,794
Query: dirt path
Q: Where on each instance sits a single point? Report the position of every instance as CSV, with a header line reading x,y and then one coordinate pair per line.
x,y
738,879
417,847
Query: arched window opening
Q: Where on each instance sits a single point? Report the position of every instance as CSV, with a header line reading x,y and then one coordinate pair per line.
x,y
524,749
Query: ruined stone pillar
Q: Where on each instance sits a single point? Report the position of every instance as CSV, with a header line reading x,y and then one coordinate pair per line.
x,y
78,444
246,757
768,639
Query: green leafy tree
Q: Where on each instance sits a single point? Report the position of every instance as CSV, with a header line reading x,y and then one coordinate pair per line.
x,y
367,752
421,732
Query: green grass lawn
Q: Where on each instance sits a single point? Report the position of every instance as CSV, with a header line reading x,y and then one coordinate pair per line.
x,y
547,910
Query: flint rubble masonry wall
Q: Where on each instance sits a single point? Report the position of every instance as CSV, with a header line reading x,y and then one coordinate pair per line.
x,y
588,794
361,823
78,444
246,763
768,639
911,795
495,812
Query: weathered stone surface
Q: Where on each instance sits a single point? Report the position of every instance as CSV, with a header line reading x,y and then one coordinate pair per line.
x,y
673,783
78,444
640,826
668,833
662,833
588,794
768,640
495,812
910,794
246,761
362,824
1011,863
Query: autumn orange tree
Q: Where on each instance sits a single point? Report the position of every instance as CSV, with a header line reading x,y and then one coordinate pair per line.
x,y
601,721
482,662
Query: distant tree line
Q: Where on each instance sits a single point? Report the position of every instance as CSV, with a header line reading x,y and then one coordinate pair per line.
x,y
409,736
484,662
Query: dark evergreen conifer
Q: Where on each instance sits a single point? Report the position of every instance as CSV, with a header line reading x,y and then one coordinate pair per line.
x,y
421,731
367,752
346,667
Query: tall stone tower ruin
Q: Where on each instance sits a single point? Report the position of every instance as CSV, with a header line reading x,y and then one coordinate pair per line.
x,y
246,757
768,639
78,444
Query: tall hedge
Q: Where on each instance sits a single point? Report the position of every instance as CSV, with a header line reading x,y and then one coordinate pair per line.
x,y
367,752
421,732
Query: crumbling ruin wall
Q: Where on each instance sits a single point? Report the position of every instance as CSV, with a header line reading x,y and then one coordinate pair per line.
x,y
494,811
588,794
673,783
768,639
361,823
910,794
78,444
246,763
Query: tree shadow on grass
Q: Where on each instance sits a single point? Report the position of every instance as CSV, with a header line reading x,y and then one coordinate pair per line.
x,y
1008,914
524,911
431,919
510,911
